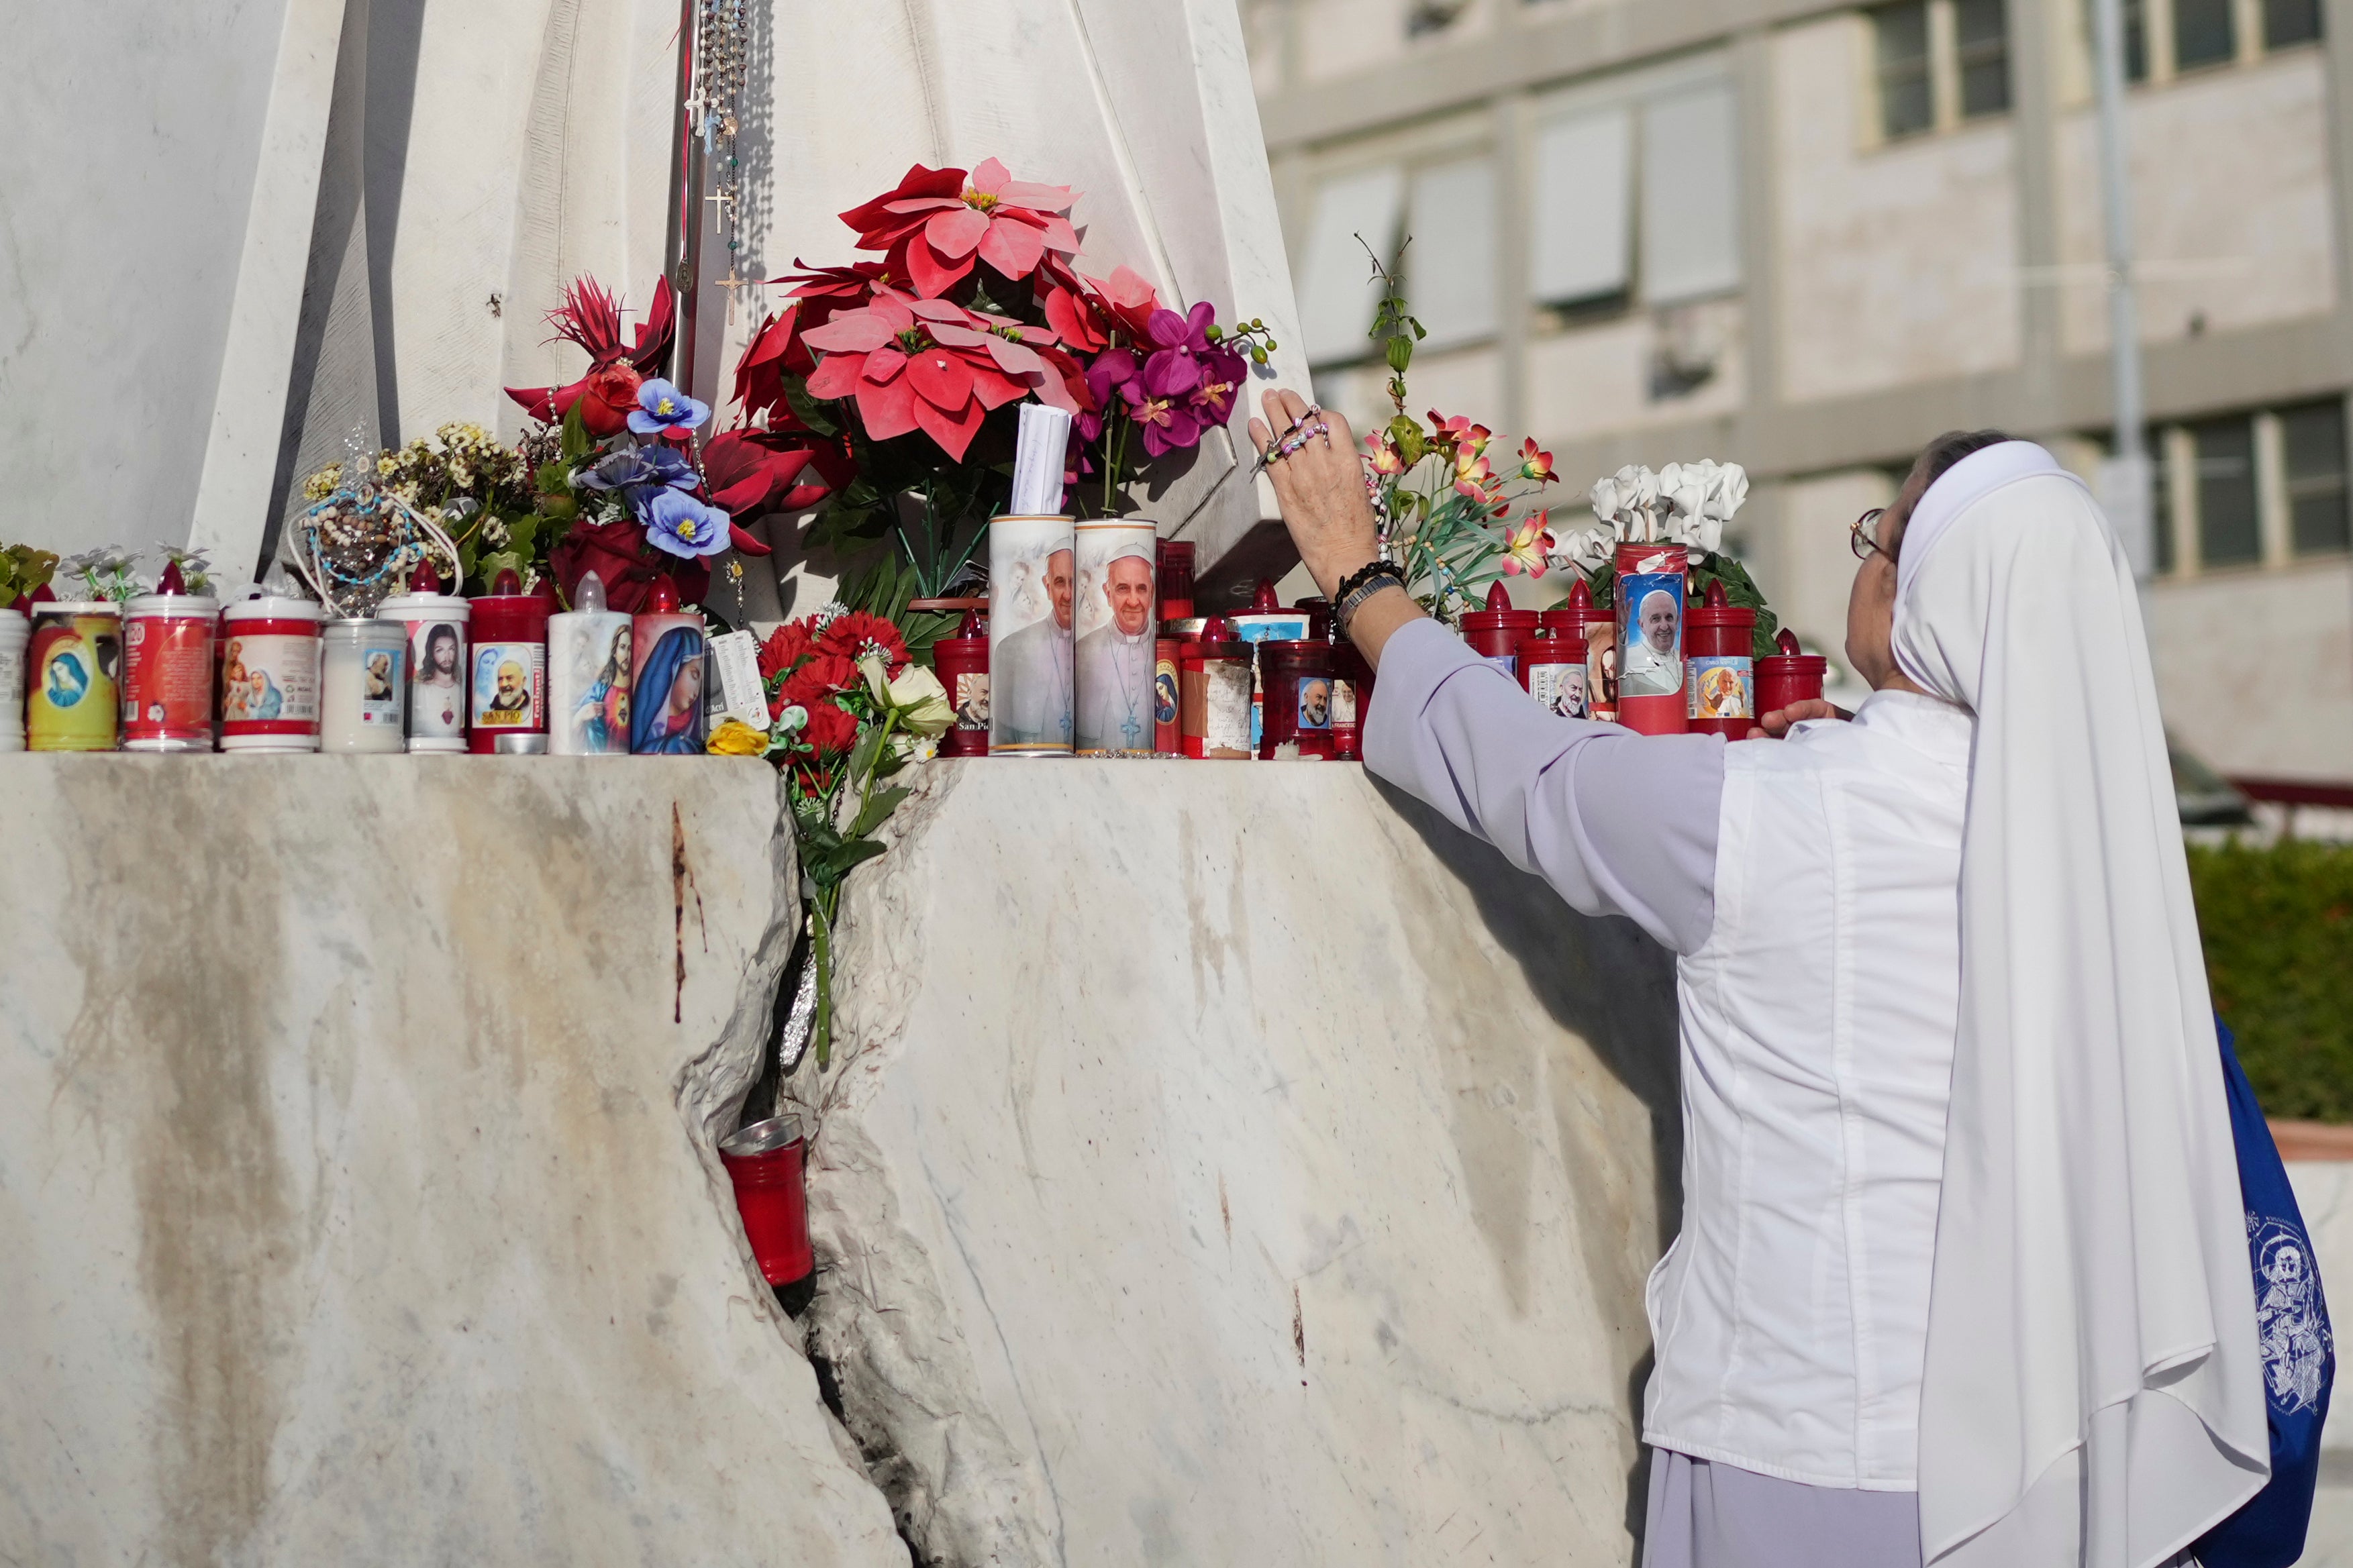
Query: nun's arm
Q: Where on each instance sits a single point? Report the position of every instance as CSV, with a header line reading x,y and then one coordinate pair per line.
x,y
1618,822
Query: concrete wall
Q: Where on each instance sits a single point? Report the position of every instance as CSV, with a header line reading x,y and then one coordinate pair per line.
x,y
2255,667
356,1181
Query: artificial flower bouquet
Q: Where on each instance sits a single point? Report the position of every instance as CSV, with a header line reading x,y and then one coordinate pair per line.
x,y
1682,503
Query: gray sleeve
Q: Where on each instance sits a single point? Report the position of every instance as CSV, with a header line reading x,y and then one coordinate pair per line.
x,y
1618,822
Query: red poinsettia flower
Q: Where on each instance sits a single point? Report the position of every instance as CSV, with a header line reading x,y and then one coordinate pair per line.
x,y
924,364
1085,311
937,223
591,317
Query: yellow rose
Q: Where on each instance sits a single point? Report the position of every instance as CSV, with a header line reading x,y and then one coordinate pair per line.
x,y
734,738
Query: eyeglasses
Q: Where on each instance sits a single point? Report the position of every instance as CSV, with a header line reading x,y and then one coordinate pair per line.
x,y
1862,537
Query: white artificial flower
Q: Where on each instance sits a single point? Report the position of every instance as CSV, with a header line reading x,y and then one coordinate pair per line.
x,y
1582,549
922,701
1727,490
792,720
1682,488
1605,498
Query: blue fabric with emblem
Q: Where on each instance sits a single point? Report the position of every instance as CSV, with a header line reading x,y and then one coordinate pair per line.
x,y
2299,1355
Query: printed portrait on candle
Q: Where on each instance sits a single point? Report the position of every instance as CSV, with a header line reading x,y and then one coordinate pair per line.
x,y
436,702
1649,629
972,700
379,677
1315,703
1559,688
1720,688
1033,605
263,699
666,710
64,678
1117,646
600,674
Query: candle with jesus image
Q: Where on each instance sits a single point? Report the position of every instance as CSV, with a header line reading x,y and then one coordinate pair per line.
x,y
590,652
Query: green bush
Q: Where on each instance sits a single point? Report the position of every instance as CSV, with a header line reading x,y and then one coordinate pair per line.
x,y
2278,930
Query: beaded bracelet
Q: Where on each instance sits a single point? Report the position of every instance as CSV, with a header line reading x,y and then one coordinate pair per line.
x,y
1360,586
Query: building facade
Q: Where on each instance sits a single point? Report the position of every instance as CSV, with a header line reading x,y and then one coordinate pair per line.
x,y
1808,237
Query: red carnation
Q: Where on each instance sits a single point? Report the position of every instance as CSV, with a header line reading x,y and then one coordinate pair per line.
x,y
851,633
830,731
824,675
786,646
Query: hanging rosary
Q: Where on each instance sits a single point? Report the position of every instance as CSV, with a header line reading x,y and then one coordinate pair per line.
x,y
722,60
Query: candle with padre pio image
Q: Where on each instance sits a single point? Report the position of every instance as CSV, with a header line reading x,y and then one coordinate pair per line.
x,y
508,682
435,624
1652,578
167,668
666,677
1114,625
962,663
1581,618
71,704
590,650
1033,585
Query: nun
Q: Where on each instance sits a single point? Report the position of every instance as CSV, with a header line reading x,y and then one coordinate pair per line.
x,y
1963,1274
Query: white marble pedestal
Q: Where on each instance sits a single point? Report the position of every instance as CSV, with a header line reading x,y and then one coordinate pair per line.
x,y
355,1199
1232,1164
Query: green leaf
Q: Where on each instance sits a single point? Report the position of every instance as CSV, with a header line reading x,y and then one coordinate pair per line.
x,y
840,861
577,442
1401,353
880,806
807,409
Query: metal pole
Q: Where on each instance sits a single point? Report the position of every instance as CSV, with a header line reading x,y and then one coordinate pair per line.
x,y
684,254
2125,479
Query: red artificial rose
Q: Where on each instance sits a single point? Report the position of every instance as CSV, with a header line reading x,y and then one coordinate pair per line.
x,y
617,552
607,399
830,731
852,632
786,646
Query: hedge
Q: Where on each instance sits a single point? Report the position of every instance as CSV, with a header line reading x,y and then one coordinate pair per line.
x,y
2278,929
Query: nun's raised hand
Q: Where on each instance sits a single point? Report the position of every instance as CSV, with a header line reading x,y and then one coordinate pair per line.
x,y
1775,725
1320,487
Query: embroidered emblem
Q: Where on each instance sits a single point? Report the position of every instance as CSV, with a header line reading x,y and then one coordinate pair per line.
x,y
2290,1319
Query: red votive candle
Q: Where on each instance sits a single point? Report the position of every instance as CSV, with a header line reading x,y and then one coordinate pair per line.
x,y
1298,723
1719,682
1214,708
1652,587
1318,611
1495,633
962,664
507,681
1174,570
1581,618
1552,670
1788,676
766,1160
1352,700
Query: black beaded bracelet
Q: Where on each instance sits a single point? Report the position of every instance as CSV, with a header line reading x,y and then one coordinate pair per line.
x,y
1361,585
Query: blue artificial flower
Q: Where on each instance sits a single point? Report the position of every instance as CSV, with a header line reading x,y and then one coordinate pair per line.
x,y
668,465
662,406
617,470
678,523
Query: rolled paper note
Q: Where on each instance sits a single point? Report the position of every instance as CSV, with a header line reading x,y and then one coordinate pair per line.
x,y
1038,458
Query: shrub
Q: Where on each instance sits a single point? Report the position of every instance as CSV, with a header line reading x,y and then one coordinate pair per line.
x,y
2277,924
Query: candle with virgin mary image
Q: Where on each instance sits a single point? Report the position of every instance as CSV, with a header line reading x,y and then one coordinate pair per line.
x,y
666,682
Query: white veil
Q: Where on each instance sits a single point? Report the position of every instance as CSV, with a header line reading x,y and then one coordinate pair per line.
x,y
2094,1388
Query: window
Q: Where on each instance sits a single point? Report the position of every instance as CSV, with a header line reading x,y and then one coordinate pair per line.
x,y
1662,168
2160,514
1982,35
1581,224
1690,196
1337,294
2312,443
1450,257
1906,95
2164,38
2230,524
2203,34
1939,62
2287,22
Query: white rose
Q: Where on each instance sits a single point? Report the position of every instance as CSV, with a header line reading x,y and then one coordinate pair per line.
x,y
922,701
